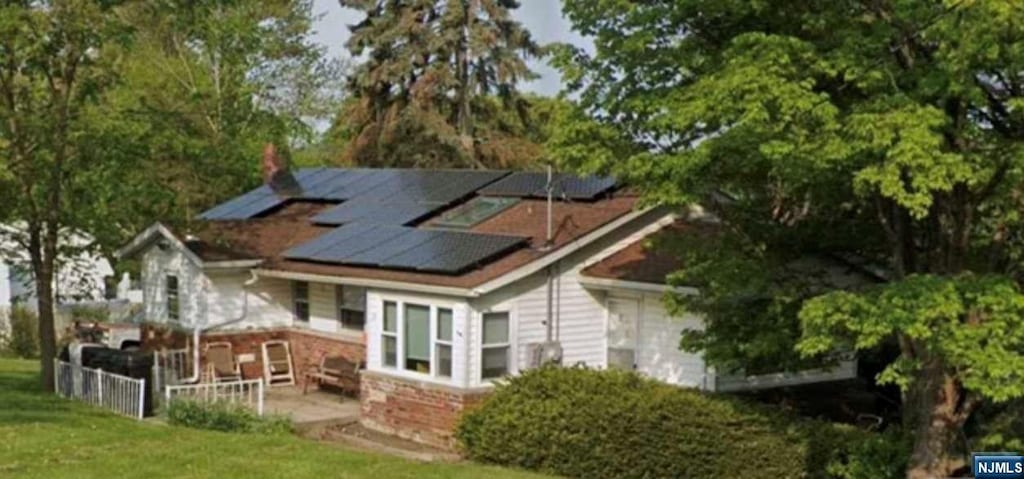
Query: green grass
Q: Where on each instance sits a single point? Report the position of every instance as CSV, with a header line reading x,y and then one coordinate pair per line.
x,y
42,436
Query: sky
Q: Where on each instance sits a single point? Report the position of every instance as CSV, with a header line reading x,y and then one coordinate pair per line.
x,y
542,17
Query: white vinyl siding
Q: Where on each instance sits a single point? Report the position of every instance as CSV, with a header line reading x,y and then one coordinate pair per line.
x,y
659,355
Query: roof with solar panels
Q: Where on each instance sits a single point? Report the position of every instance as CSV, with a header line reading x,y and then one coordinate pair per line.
x,y
446,227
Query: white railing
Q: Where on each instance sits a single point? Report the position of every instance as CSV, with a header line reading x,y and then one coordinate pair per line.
x,y
173,365
120,394
248,393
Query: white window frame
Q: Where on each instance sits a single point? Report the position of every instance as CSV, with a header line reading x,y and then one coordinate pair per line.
x,y
510,368
384,333
296,300
437,343
399,335
177,296
340,307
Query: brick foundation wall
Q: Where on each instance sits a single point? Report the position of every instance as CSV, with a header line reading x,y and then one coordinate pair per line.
x,y
414,410
307,347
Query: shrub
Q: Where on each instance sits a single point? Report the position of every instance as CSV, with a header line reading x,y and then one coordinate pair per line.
x,y
226,417
23,339
876,456
584,423
90,313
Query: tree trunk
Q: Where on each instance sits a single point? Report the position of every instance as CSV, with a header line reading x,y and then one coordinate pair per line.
x,y
935,401
47,332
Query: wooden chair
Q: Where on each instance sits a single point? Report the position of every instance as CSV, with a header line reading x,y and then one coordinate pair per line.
x,y
335,371
277,364
221,364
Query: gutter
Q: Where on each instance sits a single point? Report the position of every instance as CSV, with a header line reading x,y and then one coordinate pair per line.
x,y
608,283
370,283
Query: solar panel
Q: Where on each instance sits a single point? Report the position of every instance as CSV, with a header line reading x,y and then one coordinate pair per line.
x,y
394,186
458,252
245,206
404,247
312,249
374,212
534,185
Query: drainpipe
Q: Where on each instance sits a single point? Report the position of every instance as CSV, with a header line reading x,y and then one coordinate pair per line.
x,y
548,239
197,330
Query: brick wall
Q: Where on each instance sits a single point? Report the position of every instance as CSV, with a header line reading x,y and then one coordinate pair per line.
x,y
414,410
307,347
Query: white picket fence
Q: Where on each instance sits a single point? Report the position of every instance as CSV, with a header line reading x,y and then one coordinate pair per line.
x,y
248,393
120,394
171,368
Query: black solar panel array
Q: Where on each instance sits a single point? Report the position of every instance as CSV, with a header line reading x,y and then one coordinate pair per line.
x,y
402,247
399,197
377,204
408,194
534,185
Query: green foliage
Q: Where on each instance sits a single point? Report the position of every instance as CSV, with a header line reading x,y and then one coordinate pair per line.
x,y
885,132
90,314
206,85
876,456
426,94
226,417
998,427
23,341
975,323
585,423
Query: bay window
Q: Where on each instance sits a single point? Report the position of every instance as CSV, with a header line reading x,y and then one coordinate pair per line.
x,y
496,346
418,338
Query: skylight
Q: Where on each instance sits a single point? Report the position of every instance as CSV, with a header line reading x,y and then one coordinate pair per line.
x,y
475,211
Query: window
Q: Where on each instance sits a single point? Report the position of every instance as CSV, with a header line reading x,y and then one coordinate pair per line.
x,y
417,338
300,298
496,346
389,335
351,307
173,301
443,342
475,211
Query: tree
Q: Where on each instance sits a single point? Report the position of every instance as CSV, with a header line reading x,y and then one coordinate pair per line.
x,y
57,61
208,83
427,89
885,131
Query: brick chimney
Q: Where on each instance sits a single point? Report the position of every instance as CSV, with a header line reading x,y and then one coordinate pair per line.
x,y
276,174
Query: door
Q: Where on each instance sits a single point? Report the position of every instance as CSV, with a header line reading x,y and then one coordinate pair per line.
x,y
623,322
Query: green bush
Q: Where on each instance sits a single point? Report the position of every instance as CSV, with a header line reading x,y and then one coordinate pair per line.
x,y
583,423
226,417
23,339
877,456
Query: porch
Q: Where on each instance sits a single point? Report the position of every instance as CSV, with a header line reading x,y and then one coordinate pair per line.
x,y
315,410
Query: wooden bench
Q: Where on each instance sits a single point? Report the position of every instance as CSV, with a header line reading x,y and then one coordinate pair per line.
x,y
335,371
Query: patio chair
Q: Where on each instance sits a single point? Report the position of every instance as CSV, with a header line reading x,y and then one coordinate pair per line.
x,y
335,371
277,364
221,364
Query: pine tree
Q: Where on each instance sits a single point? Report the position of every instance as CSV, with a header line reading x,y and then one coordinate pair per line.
x,y
424,96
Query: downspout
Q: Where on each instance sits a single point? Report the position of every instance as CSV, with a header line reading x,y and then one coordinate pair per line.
x,y
548,240
197,330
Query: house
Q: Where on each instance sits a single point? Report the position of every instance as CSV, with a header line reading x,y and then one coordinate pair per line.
x,y
441,281
80,276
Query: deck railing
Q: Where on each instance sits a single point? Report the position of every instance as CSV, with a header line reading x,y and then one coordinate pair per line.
x,y
249,393
120,394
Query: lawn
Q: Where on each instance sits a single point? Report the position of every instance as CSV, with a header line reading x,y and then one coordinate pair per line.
x,y
42,436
